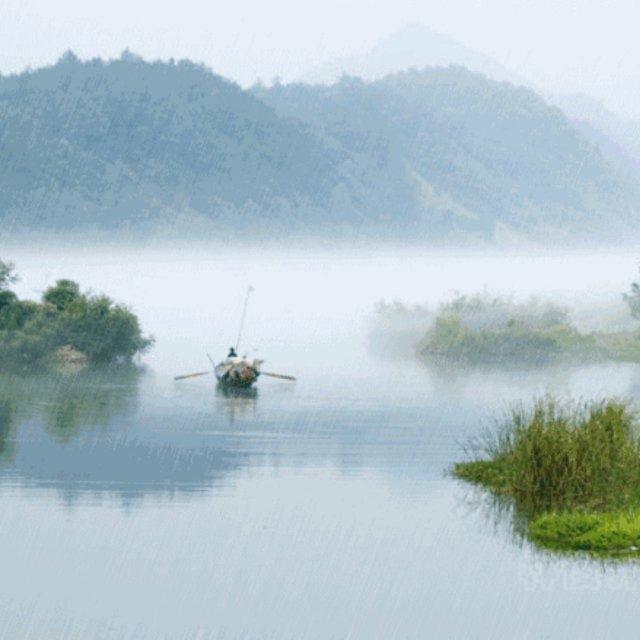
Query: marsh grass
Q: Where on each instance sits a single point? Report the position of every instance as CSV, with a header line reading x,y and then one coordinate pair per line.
x,y
572,470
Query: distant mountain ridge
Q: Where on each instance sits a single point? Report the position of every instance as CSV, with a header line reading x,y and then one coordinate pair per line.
x,y
619,136
414,46
440,154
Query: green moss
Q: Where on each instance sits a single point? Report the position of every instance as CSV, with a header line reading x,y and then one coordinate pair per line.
x,y
600,533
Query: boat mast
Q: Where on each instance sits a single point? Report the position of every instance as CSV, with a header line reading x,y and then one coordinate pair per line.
x,y
244,315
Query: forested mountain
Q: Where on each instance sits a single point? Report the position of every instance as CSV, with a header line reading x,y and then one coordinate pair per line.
x,y
481,156
127,142
440,153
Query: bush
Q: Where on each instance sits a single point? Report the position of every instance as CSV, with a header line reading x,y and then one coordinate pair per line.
x,y
602,533
31,332
62,294
100,329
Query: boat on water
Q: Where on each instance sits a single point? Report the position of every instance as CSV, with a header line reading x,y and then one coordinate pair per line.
x,y
236,372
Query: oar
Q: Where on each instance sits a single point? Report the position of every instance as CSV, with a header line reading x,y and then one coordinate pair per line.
x,y
193,375
276,375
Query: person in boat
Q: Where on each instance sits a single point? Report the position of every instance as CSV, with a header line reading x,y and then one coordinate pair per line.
x,y
232,353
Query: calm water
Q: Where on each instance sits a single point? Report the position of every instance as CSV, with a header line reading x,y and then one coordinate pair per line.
x,y
132,506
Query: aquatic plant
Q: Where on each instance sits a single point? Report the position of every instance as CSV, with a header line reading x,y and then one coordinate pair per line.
x,y
607,533
573,471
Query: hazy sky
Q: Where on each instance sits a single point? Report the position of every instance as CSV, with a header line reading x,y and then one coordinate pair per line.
x,y
562,45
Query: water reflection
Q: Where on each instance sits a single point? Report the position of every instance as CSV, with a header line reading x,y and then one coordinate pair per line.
x,y
85,400
133,434
7,430
236,403
86,432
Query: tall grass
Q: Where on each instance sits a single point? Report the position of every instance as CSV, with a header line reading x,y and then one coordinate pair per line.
x,y
556,456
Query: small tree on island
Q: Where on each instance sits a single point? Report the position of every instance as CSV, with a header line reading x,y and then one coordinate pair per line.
x,y
633,300
7,275
62,294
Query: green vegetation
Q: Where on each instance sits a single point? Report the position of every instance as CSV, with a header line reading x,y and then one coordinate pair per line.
x,y
573,473
485,329
608,533
67,320
473,329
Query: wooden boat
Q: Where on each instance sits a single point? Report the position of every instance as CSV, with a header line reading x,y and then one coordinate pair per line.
x,y
237,372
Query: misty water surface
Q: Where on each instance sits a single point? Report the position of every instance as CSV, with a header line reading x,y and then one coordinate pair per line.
x,y
132,506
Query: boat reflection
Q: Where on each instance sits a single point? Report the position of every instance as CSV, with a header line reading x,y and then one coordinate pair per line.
x,y
236,402
227,391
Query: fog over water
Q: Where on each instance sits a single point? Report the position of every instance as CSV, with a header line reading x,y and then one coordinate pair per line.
x,y
133,506
306,300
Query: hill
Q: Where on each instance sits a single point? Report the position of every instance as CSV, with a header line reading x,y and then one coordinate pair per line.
x,y
482,157
127,143
436,154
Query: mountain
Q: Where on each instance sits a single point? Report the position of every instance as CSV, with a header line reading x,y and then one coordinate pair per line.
x,y
440,154
619,137
124,143
483,157
414,46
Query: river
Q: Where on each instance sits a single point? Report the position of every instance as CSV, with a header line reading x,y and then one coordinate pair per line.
x,y
133,506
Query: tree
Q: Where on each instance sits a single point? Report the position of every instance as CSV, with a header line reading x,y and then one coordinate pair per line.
x,y
633,300
33,333
62,294
7,275
102,330
8,299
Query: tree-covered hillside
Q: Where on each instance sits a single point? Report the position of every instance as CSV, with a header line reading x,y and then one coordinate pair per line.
x,y
482,157
436,154
125,143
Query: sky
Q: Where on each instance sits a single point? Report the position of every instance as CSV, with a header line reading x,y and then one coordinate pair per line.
x,y
562,46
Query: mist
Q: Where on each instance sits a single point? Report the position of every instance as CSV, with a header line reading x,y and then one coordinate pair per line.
x,y
313,304
269,271
590,46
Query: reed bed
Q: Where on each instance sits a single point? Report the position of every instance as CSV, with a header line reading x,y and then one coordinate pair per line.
x,y
573,470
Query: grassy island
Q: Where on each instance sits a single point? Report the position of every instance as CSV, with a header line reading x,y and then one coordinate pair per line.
x,y
67,326
572,472
473,329
483,329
